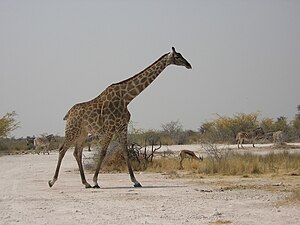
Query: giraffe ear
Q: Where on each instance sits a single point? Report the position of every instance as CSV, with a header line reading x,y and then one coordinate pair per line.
x,y
173,49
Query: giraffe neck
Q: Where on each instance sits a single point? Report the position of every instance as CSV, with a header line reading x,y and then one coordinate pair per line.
x,y
133,86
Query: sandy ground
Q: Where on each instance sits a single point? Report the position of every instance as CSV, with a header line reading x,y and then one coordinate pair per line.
x,y
25,197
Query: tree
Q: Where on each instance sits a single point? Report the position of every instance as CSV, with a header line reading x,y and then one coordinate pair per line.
x,y
268,125
224,129
8,123
172,127
281,123
174,130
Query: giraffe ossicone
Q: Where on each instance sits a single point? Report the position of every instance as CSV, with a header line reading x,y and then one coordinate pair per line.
x,y
107,115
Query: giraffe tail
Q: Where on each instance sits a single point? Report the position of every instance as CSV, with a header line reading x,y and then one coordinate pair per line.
x,y
61,147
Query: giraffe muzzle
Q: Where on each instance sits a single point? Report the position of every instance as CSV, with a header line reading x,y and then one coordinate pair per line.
x,y
188,66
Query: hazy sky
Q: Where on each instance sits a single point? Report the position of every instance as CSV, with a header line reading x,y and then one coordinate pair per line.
x,y
53,54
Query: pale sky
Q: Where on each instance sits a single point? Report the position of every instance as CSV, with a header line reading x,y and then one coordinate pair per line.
x,y
54,54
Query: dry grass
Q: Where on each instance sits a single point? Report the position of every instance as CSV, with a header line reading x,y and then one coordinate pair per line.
x,y
233,164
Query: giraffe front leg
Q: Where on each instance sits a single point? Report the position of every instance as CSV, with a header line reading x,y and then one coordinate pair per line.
x,y
102,154
123,141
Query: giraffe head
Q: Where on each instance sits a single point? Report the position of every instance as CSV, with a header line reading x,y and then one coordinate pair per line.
x,y
177,59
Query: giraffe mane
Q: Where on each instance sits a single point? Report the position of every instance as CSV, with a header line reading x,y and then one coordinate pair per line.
x,y
133,77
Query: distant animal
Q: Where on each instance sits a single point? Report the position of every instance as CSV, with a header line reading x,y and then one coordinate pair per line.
x,y
278,136
30,142
250,136
89,140
187,154
43,143
269,136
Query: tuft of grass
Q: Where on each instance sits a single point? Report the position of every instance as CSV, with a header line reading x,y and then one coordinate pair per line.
x,y
163,165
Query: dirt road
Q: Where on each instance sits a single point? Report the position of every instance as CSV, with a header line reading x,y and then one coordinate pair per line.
x,y
25,197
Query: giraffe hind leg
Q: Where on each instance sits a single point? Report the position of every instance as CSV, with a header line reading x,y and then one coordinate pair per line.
x,y
104,145
239,143
62,151
78,156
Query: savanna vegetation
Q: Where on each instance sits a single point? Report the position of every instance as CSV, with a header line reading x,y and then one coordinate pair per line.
x,y
222,161
144,144
222,129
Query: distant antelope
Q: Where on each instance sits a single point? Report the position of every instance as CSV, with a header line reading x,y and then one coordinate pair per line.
x,y
43,143
188,154
277,136
250,136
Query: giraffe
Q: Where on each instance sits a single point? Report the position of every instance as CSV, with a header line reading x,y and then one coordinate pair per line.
x,y
107,115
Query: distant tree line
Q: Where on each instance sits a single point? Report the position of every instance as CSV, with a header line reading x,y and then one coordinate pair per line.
x,y
222,129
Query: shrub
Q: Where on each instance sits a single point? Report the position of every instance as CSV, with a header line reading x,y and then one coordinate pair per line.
x,y
8,123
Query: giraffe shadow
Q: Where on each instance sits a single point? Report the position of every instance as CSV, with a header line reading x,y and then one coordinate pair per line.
x,y
144,187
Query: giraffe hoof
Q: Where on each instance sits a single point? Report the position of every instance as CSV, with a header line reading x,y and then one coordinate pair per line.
x,y
96,186
88,186
137,185
50,183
